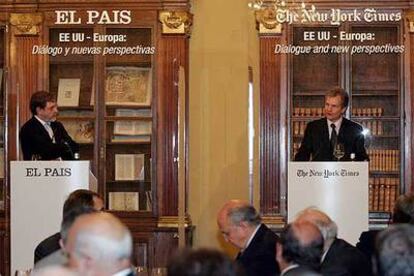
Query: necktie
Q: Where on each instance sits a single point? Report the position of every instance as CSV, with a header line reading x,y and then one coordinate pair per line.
x,y
49,130
334,137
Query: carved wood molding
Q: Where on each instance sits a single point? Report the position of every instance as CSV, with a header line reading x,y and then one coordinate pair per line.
x,y
173,221
176,22
26,23
266,21
410,18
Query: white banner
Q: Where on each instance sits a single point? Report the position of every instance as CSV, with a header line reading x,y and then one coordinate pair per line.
x,y
339,189
38,190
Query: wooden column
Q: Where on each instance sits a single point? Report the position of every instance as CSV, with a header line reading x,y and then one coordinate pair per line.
x,y
270,93
24,73
173,53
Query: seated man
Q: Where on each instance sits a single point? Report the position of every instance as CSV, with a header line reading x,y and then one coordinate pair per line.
x,y
77,199
395,251
99,244
339,257
240,224
299,249
403,213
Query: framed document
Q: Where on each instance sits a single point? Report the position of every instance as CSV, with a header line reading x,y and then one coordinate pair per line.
x,y
129,166
123,201
128,86
135,127
116,201
68,92
80,131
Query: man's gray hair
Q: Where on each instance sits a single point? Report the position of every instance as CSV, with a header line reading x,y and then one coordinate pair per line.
x,y
103,247
246,213
395,251
326,225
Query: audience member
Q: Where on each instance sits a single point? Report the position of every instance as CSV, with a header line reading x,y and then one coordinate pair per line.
x,y
240,224
75,200
403,213
395,251
202,262
59,257
299,249
54,271
339,257
99,244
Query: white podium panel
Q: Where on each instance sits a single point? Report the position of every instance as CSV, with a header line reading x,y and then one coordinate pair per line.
x,y
38,190
339,189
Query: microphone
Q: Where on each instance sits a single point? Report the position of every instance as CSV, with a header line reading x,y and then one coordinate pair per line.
x,y
69,148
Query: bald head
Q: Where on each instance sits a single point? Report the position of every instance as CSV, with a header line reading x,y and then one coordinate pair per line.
x,y
326,226
238,211
237,221
99,243
306,232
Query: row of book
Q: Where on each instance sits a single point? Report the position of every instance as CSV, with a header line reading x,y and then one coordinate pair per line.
x,y
376,128
384,160
367,112
383,192
320,112
128,201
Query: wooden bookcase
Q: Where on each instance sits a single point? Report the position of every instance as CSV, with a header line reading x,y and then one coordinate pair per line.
x,y
126,122
129,138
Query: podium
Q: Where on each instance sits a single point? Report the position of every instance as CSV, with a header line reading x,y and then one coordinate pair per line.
x,y
340,189
38,190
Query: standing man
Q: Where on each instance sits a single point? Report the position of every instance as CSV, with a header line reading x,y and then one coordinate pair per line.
x,y
240,225
42,137
321,136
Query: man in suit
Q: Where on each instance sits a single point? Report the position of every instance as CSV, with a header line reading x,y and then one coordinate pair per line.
x,y
299,249
395,251
240,225
78,202
403,213
321,136
99,244
339,257
42,137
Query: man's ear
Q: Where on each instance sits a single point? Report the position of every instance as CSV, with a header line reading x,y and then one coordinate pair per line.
x,y
244,224
279,250
61,243
37,110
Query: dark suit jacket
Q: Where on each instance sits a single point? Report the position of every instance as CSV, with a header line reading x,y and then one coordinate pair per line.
x,y
344,259
366,243
36,142
47,247
301,271
259,257
315,145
